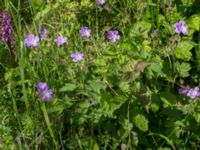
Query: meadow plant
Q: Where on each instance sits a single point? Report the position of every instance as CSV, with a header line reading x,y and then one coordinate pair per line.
x,y
130,93
60,40
31,40
6,27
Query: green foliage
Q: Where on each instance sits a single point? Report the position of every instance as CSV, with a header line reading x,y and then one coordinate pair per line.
x,y
183,50
123,95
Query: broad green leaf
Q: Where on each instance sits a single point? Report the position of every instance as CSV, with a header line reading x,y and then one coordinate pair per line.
x,y
140,28
183,50
183,69
141,122
196,116
68,87
194,22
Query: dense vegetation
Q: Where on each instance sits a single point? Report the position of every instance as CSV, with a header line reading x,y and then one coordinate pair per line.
x,y
100,75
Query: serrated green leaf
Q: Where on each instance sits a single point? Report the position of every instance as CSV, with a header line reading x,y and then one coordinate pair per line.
x,y
183,50
68,87
141,122
183,69
194,22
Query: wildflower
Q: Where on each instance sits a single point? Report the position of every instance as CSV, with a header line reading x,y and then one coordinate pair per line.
x,y
42,86
43,33
44,91
6,29
46,94
183,90
113,35
155,32
60,40
93,103
100,2
108,9
85,32
31,40
193,93
76,57
180,27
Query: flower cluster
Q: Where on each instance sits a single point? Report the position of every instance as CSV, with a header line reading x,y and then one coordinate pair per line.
x,y
180,27
6,27
192,93
44,91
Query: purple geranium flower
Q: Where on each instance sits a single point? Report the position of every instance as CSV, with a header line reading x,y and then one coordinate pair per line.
x,y
42,86
43,33
31,40
76,57
46,95
193,93
155,32
100,2
113,35
85,32
183,90
60,40
180,27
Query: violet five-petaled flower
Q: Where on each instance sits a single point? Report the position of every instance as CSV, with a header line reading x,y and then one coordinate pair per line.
x,y
31,40
42,86
100,2
113,35
44,91
60,40
183,90
180,27
155,32
46,94
193,93
43,33
85,32
76,57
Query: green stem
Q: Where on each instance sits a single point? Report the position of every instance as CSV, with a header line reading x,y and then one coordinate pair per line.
x,y
46,117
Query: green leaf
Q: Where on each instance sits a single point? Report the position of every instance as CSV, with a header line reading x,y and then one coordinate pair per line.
x,y
68,87
141,122
183,69
183,50
140,28
194,22
196,116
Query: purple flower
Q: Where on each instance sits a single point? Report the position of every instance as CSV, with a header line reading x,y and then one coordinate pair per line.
x,y
44,91
76,57
6,27
183,90
155,32
31,40
43,33
46,95
193,93
108,9
100,2
60,40
85,32
42,86
180,27
113,35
